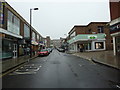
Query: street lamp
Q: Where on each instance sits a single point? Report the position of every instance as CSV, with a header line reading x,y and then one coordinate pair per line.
x,y
31,30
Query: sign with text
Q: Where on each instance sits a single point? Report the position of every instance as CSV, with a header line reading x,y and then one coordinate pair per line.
x,y
115,28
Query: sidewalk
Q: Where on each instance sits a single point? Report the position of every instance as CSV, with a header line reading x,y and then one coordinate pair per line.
x,y
102,57
11,63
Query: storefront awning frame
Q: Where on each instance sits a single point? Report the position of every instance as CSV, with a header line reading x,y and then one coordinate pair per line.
x,y
85,37
9,33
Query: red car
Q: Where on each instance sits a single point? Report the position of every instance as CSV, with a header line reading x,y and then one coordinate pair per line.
x,y
43,52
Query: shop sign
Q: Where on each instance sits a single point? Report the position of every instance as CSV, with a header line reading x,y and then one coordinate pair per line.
x,y
115,28
92,37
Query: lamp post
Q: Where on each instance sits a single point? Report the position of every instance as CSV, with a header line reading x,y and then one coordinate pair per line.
x,y
31,30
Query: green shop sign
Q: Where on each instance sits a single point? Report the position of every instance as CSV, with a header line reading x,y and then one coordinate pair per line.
x,y
92,37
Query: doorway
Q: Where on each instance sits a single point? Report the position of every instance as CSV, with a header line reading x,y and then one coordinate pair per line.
x,y
14,50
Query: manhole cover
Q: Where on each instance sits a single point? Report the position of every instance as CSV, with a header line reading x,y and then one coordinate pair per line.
x,y
55,62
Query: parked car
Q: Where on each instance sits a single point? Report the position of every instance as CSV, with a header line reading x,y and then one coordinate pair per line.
x,y
43,52
49,50
61,50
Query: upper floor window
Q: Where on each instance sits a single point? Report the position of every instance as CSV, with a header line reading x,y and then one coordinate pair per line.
x,y
33,36
13,23
26,31
38,37
100,29
89,31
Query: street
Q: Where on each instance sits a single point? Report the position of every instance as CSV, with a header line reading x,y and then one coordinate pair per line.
x,y
61,70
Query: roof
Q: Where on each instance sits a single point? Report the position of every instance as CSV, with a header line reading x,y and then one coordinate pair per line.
x,y
87,25
76,26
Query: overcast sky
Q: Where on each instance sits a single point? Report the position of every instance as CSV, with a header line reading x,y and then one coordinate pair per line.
x,y
55,18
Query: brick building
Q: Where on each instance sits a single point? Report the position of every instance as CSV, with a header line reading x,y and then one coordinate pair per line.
x,y
15,34
56,43
93,37
115,25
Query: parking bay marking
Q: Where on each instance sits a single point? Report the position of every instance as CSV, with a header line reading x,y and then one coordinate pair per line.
x,y
27,69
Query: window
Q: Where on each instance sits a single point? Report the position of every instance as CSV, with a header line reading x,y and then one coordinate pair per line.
x,y
33,36
13,23
111,41
89,31
37,37
7,49
100,29
1,14
99,45
26,31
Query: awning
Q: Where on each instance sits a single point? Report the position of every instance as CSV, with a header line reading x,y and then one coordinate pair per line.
x,y
87,37
9,33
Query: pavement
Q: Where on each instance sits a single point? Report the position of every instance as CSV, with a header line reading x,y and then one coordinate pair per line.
x,y
6,65
102,57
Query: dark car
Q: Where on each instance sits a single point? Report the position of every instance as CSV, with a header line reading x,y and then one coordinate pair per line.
x,y
43,52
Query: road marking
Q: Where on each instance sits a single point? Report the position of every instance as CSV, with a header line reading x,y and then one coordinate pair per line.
x,y
117,86
80,65
17,73
27,69
11,70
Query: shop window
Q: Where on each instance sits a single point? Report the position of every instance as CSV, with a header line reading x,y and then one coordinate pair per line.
x,y
99,45
7,49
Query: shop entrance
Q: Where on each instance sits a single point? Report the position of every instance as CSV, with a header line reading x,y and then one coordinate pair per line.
x,y
14,50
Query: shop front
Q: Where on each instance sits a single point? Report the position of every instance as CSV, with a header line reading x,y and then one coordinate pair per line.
x,y
87,42
9,44
115,33
34,48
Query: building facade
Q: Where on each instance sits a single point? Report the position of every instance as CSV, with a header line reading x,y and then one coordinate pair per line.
x,y
92,37
56,43
15,33
115,25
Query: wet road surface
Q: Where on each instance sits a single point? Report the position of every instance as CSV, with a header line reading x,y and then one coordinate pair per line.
x,y
61,70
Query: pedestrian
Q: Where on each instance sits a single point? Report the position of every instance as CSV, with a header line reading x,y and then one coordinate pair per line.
x,y
81,48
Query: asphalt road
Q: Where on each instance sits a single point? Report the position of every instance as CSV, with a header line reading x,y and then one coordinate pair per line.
x,y
61,70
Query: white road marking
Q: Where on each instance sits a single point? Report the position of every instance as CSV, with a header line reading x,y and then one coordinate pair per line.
x,y
80,65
